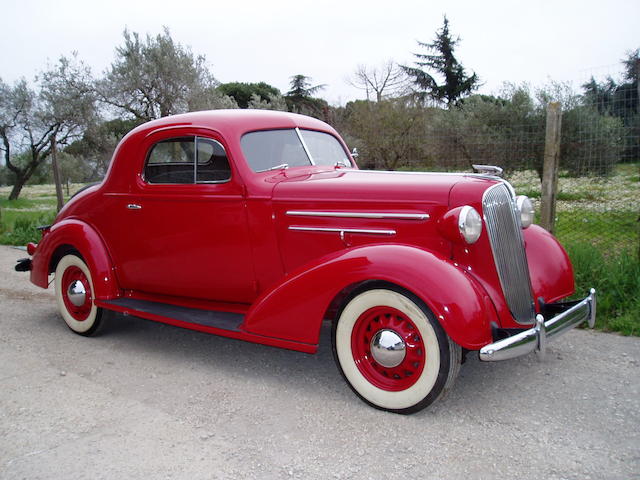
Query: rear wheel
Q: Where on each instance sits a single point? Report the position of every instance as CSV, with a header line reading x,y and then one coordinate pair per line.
x,y
392,351
74,294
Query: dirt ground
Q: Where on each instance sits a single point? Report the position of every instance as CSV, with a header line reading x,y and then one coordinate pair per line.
x,y
145,400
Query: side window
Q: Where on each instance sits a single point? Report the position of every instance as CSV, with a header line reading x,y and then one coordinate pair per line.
x,y
172,162
213,165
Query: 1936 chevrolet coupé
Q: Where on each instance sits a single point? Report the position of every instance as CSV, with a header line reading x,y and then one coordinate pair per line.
x,y
258,226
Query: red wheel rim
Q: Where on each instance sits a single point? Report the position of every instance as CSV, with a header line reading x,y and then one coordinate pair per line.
x,y
71,275
396,378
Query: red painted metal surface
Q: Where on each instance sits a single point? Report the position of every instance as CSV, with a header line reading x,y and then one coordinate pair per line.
x,y
263,340
549,266
241,246
401,376
295,308
71,275
76,235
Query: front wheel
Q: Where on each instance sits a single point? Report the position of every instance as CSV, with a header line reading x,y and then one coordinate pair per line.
x,y
392,351
75,294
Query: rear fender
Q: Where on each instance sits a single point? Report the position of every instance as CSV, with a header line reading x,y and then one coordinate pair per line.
x,y
70,235
294,310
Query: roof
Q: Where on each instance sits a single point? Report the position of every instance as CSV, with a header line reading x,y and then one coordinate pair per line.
x,y
236,121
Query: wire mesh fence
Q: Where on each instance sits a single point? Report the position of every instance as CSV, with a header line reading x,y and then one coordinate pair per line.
x,y
598,189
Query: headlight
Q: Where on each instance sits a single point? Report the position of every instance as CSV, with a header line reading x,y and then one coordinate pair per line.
x,y
527,212
470,224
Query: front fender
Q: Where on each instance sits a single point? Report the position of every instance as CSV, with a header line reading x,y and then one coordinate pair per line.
x,y
294,309
549,265
80,236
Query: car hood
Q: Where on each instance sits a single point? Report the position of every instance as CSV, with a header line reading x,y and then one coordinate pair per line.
x,y
367,185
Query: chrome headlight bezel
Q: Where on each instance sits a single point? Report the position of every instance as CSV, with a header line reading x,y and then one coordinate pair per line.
x,y
470,224
526,209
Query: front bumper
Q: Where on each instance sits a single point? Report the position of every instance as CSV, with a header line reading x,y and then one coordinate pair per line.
x,y
535,339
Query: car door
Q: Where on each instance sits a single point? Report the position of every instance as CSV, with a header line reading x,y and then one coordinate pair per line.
x,y
182,229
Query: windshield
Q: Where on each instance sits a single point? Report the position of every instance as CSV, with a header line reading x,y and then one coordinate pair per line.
x,y
272,149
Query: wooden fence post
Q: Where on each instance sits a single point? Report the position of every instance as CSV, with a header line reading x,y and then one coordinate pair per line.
x,y
550,167
56,173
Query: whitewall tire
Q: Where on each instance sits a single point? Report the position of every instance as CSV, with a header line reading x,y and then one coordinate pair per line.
x,y
392,351
75,295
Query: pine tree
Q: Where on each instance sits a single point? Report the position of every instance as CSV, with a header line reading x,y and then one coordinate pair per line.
x,y
300,97
441,60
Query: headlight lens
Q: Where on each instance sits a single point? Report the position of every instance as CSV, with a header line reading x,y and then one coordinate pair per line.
x,y
470,224
527,212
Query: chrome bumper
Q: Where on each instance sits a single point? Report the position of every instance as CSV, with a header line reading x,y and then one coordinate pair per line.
x,y
536,338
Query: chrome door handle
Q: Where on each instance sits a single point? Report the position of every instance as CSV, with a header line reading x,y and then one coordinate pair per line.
x,y
134,206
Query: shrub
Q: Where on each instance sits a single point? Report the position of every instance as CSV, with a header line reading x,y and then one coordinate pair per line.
x,y
24,229
616,278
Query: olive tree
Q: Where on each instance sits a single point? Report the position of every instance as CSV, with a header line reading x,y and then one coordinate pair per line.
x,y
272,102
389,133
34,121
155,77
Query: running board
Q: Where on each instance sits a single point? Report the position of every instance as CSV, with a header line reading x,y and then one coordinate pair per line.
x,y
165,312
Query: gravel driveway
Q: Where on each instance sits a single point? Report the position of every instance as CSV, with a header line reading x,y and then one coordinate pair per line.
x,y
150,401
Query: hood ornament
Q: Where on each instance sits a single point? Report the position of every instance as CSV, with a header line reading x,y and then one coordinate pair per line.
x,y
488,170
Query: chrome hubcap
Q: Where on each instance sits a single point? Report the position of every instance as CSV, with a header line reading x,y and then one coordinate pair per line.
x,y
388,348
77,293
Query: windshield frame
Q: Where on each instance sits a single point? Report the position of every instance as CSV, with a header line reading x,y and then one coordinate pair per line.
x,y
305,147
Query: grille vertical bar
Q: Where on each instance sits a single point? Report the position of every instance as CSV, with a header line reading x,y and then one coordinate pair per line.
x,y
507,244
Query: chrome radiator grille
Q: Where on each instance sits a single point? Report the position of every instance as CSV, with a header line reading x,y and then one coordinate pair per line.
x,y
507,244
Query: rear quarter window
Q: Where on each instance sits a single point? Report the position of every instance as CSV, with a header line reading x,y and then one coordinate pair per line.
x,y
186,160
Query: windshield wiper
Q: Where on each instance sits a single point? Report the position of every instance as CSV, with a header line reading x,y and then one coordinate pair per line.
x,y
282,166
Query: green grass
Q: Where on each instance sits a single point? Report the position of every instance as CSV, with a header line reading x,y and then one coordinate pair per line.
x,y
612,231
562,196
25,230
616,278
531,193
19,219
576,196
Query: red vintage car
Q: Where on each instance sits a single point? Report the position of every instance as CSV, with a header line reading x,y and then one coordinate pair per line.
x,y
258,226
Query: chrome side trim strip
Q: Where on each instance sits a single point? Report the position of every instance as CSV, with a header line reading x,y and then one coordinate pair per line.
x,y
395,216
536,338
363,231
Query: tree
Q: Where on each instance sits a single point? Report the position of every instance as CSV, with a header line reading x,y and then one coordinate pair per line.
x,y
600,95
273,102
301,87
300,97
33,123
627,101
96,146
620,100
387,79
456,84
632,77
242,93
158,77
389,133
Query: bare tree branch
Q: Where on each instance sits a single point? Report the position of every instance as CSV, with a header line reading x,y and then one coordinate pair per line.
x,y
385,80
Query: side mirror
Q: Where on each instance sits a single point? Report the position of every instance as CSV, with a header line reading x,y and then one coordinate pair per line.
x,y
354,153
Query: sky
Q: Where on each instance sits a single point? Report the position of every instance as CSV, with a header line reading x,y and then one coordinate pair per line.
x,y
251,41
